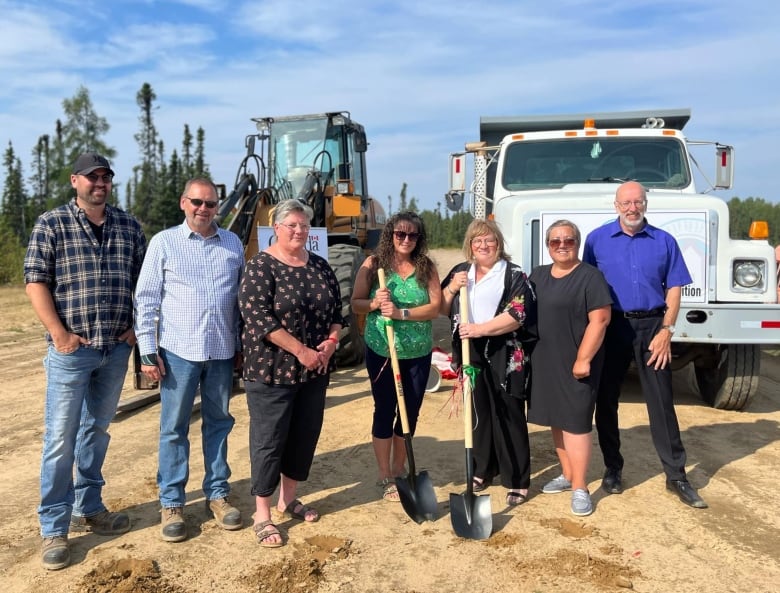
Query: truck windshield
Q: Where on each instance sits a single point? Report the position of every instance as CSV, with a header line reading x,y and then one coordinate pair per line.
x,y
655,162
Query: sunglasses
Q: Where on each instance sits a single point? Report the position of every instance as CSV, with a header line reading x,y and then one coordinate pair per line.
x,y
568,243
93,177
197,202
403,235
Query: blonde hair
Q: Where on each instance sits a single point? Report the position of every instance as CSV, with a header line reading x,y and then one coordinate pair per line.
x,y
479,228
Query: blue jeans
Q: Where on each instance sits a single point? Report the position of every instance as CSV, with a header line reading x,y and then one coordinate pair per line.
x,y
177,396
82,393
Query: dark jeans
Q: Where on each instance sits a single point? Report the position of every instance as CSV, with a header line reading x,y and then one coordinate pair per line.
x,y
284,426
414,377
627,340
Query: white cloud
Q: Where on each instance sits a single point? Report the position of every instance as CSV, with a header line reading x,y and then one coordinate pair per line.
x,y
418,75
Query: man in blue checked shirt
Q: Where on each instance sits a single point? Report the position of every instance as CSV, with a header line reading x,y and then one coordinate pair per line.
x,y
187,323
80,269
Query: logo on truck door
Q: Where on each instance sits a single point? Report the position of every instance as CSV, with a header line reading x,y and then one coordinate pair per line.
x,y
689,227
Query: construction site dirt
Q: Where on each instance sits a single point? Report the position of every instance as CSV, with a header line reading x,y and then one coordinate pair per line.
x,y
644,538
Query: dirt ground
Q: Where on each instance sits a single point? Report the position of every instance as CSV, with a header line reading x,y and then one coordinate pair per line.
x,y
643,539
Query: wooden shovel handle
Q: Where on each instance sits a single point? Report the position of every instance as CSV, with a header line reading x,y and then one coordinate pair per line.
x,y
466,362
399,388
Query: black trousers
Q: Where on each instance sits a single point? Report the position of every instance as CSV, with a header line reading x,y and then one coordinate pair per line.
x,y
285,422
627,340
500,428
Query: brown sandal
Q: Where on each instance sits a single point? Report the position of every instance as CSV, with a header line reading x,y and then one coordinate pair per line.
x,y
291,511
266,529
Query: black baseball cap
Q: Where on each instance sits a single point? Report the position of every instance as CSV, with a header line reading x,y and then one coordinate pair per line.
x,y
88,162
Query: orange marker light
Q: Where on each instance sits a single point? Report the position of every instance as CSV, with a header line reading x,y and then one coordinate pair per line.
x,y
759,229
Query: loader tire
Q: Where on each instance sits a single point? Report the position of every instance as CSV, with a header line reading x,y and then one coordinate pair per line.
x,y
345,260
729,380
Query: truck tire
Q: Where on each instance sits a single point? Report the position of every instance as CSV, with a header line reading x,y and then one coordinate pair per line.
x,y
729,380
345,260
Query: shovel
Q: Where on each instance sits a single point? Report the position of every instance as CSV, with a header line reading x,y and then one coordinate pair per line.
x,y
415,491
471,515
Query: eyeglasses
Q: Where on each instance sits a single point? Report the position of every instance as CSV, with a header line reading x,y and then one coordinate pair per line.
x,y
304,228
403,235
486,242
568,242
197,202
105,178
635,204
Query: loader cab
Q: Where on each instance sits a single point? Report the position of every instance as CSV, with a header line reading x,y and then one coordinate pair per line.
x,y
317,158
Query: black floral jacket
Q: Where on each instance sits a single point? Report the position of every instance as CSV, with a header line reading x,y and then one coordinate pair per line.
x,y
509,354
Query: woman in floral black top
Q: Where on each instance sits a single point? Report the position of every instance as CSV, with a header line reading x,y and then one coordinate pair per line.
x,y
291,306
502,309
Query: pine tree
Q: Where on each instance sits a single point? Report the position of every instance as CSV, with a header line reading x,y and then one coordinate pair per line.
x,y
147,180
201,169
187,167
58,174
81,132
39,180
402,207
14,205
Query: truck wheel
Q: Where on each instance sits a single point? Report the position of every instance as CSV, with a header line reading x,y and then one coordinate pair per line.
x,y
345,260
729,380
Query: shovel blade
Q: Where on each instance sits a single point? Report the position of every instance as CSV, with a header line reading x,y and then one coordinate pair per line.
x,y
418,497
471,515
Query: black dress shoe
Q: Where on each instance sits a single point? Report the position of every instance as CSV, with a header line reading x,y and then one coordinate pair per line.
x,y
686,492
612,483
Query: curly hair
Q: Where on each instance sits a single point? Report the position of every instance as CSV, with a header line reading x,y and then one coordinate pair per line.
x,y
385,250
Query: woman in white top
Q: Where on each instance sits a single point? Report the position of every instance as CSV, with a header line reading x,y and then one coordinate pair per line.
x,y
502,314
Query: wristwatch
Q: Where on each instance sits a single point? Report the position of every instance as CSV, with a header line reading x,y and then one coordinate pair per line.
x,y
404,313
670,328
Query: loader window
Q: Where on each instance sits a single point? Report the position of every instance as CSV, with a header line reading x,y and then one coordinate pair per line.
x,y
659,162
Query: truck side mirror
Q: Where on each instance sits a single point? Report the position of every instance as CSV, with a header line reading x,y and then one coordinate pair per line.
x,y
724,166
454,200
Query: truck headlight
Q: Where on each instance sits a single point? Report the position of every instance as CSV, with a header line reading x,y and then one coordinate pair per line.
x,y
749,275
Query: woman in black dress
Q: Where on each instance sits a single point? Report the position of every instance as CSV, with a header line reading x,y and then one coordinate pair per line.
x,y
573,313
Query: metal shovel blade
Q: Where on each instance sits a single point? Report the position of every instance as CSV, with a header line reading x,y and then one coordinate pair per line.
x,y
418,497
472,516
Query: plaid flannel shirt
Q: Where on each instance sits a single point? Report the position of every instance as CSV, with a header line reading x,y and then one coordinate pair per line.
x,y
91,283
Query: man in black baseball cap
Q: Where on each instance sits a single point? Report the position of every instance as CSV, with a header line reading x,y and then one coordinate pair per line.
x,y
83,296
88,162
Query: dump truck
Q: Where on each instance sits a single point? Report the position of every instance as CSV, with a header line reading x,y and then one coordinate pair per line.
x,y
530,171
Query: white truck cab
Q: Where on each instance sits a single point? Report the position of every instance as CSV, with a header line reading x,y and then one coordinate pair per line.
x,y
530,171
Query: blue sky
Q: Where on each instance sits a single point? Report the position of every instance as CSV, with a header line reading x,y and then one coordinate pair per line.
x,y
418,75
